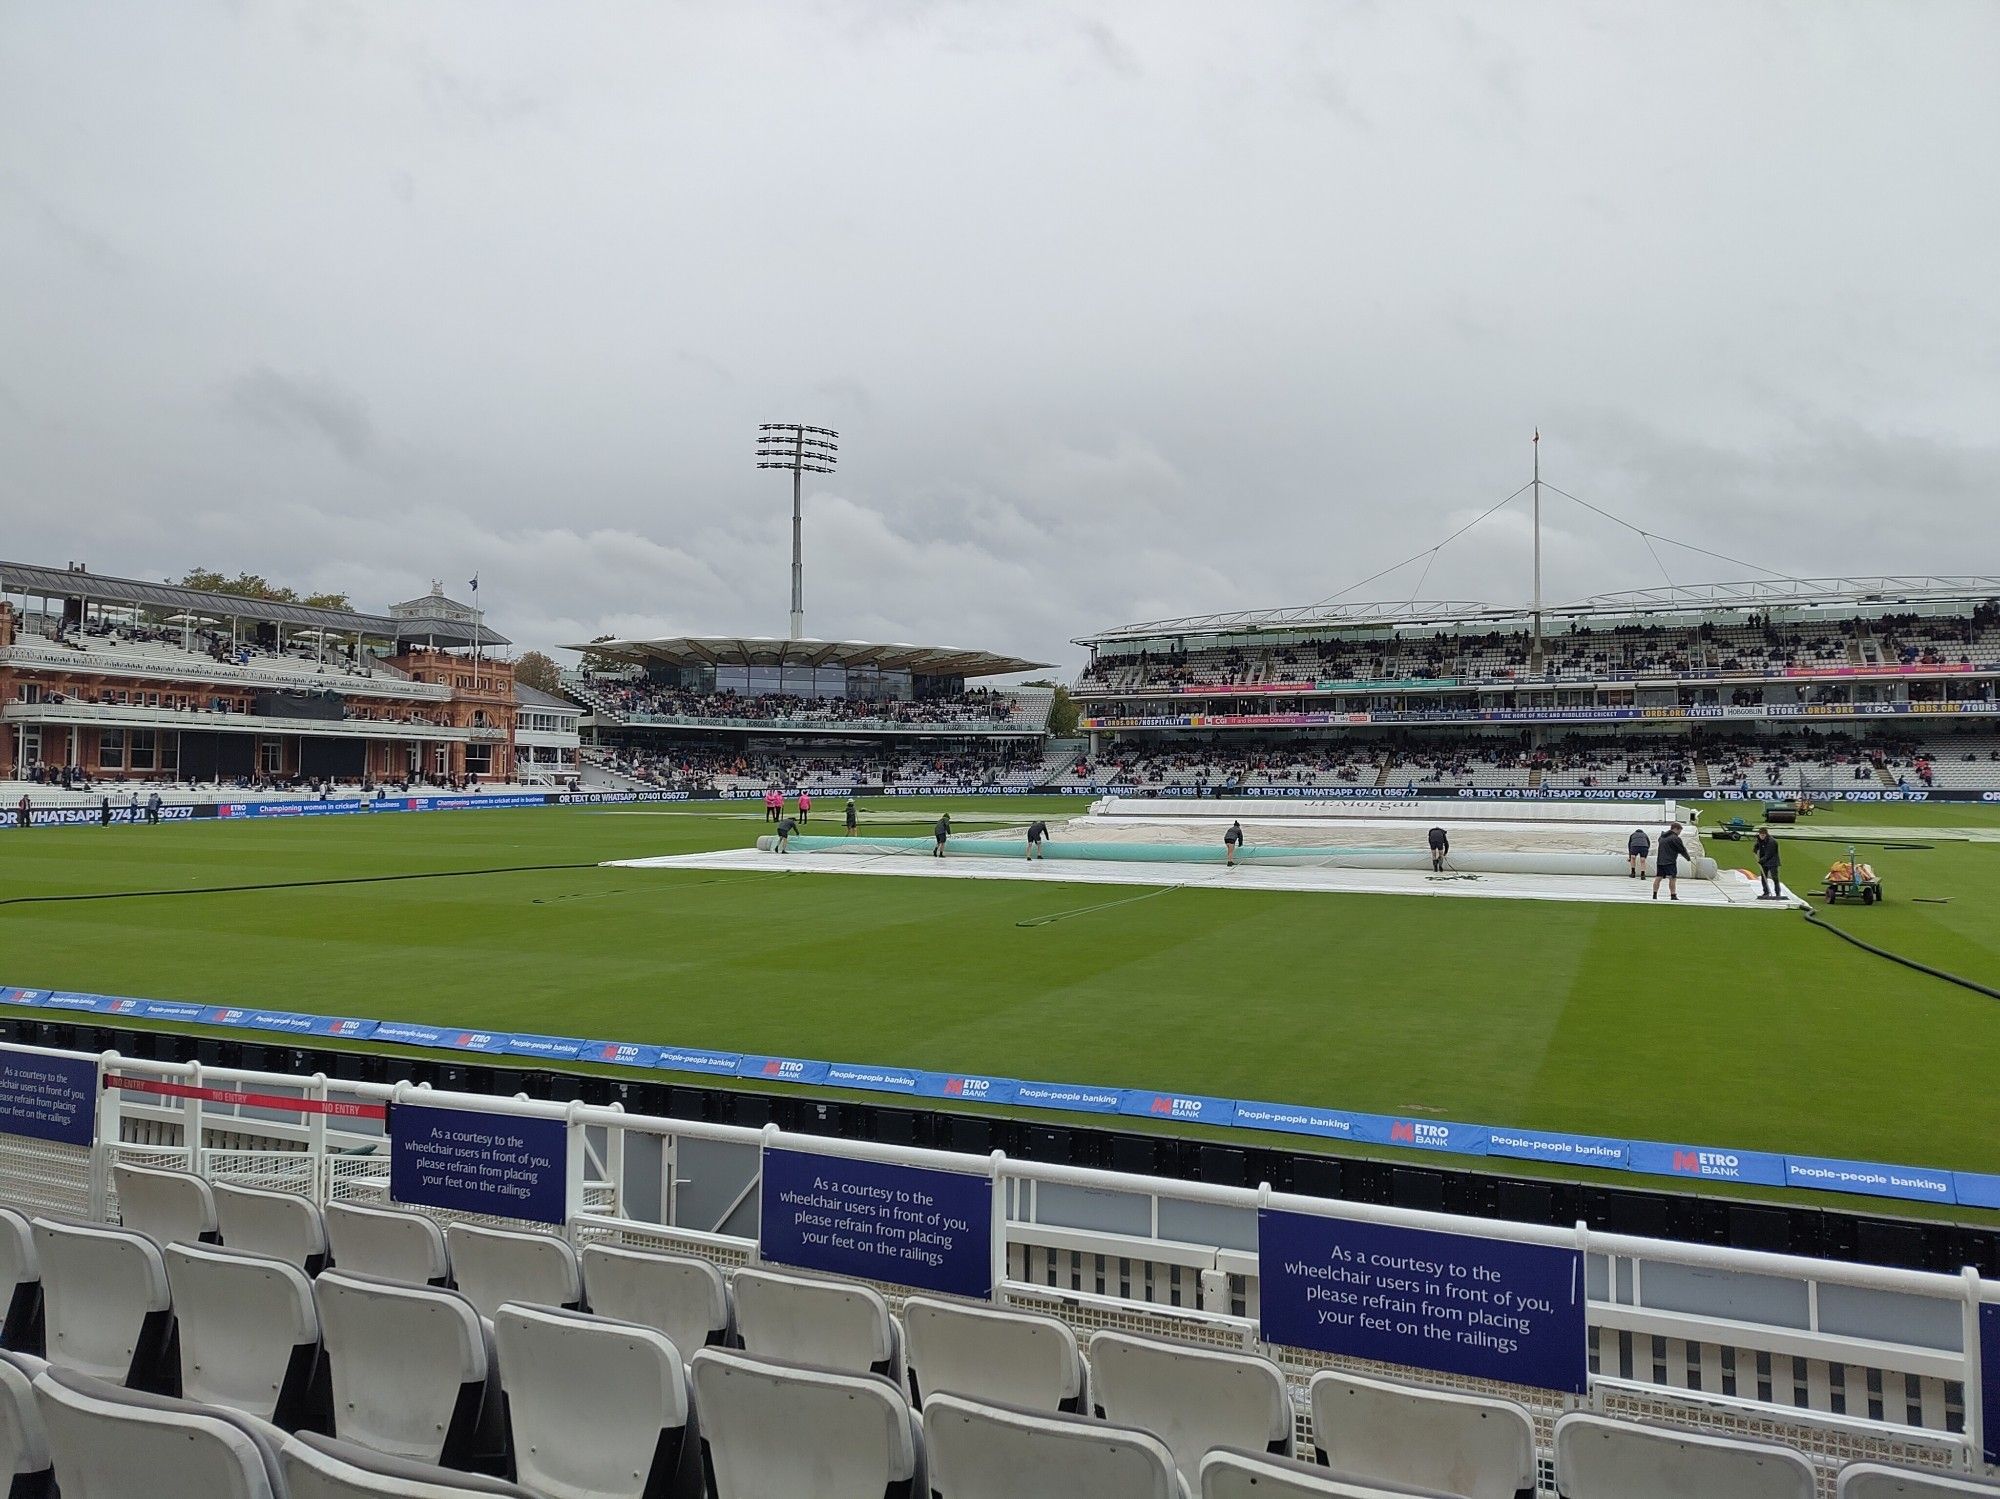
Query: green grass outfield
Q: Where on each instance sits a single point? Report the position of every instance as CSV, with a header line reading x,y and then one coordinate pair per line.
x,y
1745,1030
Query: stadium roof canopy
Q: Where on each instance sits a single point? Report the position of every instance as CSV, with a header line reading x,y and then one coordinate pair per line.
x,y
134,593
1833,594
760,650
36,581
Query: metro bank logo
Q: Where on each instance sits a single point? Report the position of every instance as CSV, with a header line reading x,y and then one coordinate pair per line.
x,y
779,1067
967,1087
1706,1163
1176,1108
228,1017
1417,1132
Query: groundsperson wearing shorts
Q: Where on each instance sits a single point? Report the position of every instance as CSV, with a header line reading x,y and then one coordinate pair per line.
x,y
1037,831
1231,841
941,832
1440,842
786,827
1637,847
1669,853
852,817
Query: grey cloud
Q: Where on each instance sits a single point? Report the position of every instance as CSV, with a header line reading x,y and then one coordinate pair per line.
x,y
307,405
1123,311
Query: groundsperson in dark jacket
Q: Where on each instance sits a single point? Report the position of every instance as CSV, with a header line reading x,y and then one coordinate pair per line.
x,y
1667,854
1766,849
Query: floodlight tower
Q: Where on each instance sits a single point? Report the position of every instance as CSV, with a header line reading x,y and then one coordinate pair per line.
x,y
803,450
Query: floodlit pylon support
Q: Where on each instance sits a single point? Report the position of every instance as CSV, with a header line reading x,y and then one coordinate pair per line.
x,y
804,450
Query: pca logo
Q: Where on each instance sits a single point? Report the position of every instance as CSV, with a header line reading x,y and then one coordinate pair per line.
x,y
1418,1132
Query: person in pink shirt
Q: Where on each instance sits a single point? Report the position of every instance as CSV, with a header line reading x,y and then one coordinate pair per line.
x,y
774,804
805,806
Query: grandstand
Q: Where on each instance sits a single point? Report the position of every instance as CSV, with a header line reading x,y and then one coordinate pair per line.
x,y
261,1285
734,714
117,683
1790,686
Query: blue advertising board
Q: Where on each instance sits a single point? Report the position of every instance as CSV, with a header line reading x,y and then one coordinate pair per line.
x,y
1571,1150
1708,1163
912,1225
1480,1308
1913,1183
1183,1108
473,1162
47,1097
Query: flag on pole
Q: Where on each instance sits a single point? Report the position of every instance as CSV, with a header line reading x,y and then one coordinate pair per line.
x,y
1538,438
475,582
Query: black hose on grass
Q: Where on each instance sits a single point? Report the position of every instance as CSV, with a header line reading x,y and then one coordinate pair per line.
x,y
359,879
1813,919
1056,916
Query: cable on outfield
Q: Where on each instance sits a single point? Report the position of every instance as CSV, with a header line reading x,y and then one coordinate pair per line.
x,y
1129,900
1813,919
358,879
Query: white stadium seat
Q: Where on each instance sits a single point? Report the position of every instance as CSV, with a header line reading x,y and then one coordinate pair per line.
x,y
684,1297
169,1207
105,1301
597,1409
1193,1399
281,1225
1599,1458
492,1266
249,1334
20,1285
111,1443
1875,1481
390,1242
412,1369
772,1430
25,1468
1007,1358
1230,1474
824,1323
1475,1445
980,1451
319,1467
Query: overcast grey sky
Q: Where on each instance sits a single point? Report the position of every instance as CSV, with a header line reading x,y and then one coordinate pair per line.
x,y
1122,310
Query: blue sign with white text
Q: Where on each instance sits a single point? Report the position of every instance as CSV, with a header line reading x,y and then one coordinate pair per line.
x,y
1571,1150
471,1162
1480,1308
1183,1108
911,1225
1707,1163
1913,1183
48,1098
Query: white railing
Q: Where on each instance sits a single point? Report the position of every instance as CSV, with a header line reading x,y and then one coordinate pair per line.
x,y
1843,1361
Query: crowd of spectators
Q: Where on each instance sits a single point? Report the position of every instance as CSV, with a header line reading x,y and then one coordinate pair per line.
x,y
1756,644
977,707
1583,761
697,768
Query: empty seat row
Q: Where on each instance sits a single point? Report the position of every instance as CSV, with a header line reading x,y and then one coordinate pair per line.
x,y
417,1370
101,1441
